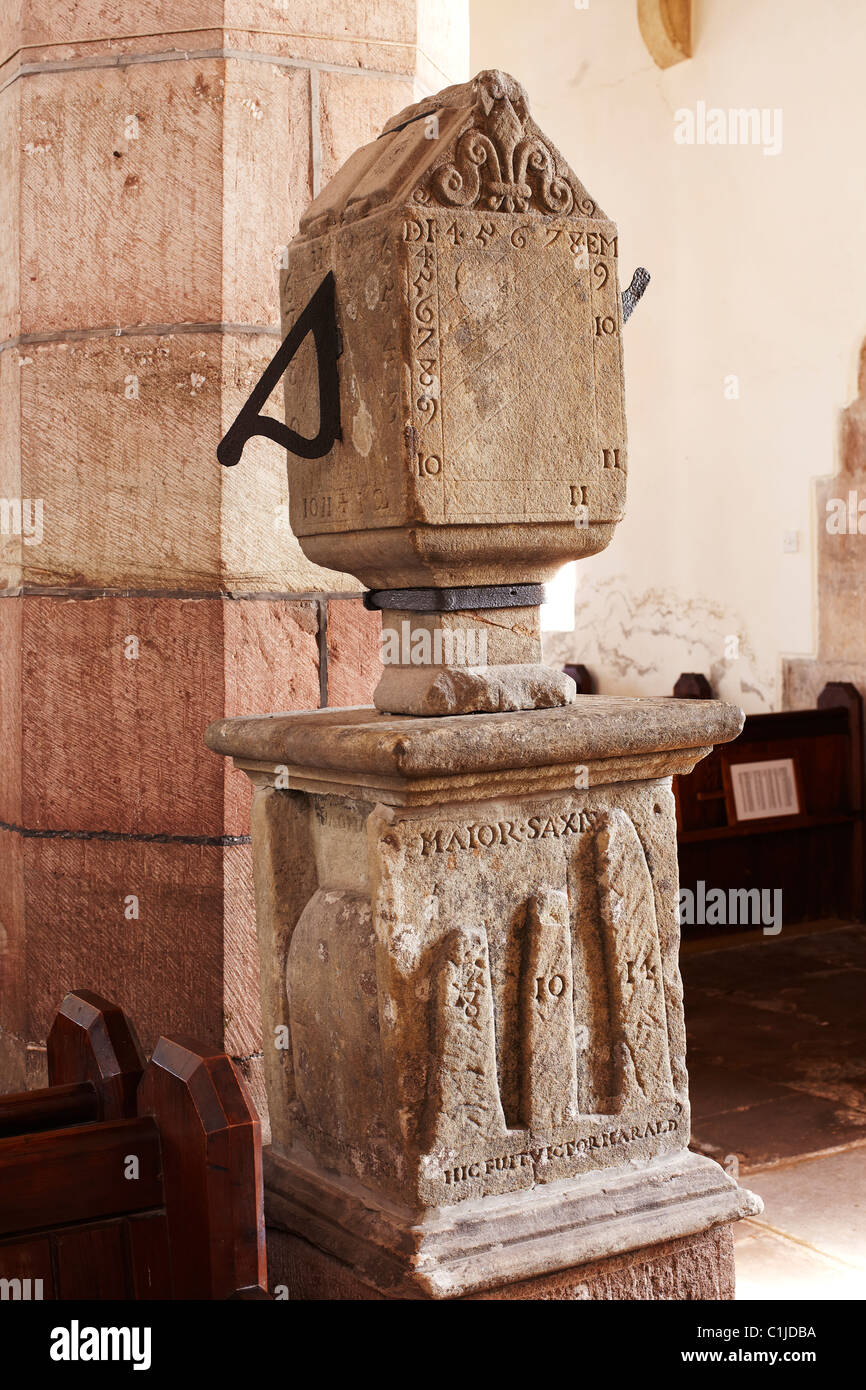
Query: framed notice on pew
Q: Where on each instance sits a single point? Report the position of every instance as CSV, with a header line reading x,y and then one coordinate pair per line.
x,y
762,790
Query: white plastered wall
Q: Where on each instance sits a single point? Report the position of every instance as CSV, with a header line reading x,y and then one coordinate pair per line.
x,y
759,273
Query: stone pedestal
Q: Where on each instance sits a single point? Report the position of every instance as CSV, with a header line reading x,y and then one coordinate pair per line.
x,y
474,1039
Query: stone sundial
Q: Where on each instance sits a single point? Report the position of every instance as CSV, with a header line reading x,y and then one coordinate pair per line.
x,y
467,897
481,385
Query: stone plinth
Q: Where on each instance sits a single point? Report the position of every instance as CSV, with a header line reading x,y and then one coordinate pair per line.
x,y
474,1038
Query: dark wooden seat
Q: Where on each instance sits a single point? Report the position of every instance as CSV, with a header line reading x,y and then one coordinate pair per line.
x,y
130,1180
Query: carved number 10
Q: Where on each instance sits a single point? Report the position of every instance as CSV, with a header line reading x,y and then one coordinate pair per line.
x,y
555,986
604,325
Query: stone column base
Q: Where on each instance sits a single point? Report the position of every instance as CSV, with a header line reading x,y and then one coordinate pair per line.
x,y
696,1267
657,1229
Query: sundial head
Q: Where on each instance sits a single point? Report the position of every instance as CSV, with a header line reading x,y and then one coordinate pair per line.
x,y
454,406
479,423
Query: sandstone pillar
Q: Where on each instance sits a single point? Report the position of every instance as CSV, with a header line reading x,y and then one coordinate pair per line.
x,y
155,161
466,896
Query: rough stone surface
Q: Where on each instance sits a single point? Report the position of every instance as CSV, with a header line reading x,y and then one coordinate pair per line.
x,y
89,763
698,1267
480,1245
423,37
11,615
13,945
466,662
404,759
426,690
354,644
469,637
350,107
169,398
107,912
548,1032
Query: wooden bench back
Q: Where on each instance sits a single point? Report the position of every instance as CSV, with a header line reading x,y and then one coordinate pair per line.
x,y
130,1180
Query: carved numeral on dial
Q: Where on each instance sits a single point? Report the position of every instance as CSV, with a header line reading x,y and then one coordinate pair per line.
x,y
555,985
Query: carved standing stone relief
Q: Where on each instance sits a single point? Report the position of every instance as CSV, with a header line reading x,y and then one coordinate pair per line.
x,y
633,962
517,1023
464,1094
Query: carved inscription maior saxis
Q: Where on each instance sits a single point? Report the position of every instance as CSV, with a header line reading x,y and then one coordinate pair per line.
x,y
487,834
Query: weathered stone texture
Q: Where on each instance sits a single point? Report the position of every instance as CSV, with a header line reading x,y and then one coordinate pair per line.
x,y
68,913
354,641
10,711
10,209
268,164
421,36
142,209
170,397
547,1024
633,965
419,690
13,994
531,859
459,978
697,1268
462,1092
76,892
350,107
93,692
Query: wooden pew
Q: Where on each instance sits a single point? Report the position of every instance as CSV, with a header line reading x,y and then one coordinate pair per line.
x,y
130,1180
816,856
